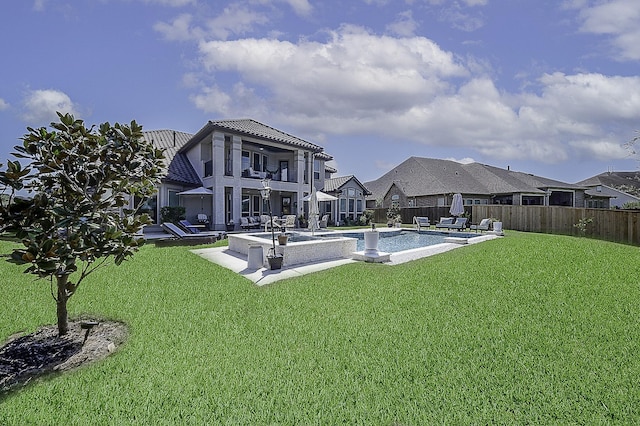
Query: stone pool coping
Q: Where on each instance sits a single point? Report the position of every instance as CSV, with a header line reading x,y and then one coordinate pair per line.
x,y
237,262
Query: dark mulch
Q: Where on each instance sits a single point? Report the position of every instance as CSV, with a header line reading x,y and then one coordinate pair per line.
x,y
24,358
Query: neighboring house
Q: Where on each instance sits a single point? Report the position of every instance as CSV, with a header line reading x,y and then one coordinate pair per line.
x,y
231,158
419,182
619,187
351,202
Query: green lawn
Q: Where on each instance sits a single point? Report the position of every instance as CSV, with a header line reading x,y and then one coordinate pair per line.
x,y
527,329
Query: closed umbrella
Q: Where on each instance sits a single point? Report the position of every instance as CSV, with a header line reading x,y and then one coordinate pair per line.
x,y
457,209
314,211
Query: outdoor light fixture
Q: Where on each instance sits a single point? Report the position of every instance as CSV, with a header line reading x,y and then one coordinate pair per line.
x,y
266,188
87,325
265,192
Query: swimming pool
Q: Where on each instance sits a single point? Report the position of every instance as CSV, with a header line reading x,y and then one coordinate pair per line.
x,y
393,242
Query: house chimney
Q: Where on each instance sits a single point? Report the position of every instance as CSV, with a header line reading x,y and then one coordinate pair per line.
x,y
174,138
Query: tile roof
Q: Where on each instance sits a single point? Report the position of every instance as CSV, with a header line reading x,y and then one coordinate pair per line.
x,y
419,176
179,169
256,129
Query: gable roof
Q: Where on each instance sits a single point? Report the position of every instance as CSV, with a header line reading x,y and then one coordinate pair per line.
x,y
419,176
252,128
334,184
179,169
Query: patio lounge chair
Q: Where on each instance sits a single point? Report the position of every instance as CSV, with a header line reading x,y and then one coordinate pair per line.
x,y
460,223
445,222
189,227
482,226
180,236
421,222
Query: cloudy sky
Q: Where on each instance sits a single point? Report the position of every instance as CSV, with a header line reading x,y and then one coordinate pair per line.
x,y
549,87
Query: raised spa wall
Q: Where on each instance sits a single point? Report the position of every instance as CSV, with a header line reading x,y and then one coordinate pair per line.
x,y
317,249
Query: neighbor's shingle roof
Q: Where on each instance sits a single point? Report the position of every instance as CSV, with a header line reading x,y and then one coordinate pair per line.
x,y
419,176
334,184
613,179
179,169
253,128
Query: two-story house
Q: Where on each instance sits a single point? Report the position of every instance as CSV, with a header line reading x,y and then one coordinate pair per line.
x,y
227,161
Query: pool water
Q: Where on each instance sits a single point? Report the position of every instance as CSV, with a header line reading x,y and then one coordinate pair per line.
x,y
407,240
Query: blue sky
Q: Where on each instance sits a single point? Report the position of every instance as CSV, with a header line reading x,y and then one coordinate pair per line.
x,y
544,87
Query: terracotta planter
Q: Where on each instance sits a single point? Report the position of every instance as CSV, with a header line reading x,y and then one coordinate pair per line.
x,y
282,239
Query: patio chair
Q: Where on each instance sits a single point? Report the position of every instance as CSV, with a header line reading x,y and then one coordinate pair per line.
x,y
445,222
460,223
203,219
266,221
482,226
244,224
289,221
421,222
324,221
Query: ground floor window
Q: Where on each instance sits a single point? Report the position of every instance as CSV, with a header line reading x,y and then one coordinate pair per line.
x,y
532,200
174,199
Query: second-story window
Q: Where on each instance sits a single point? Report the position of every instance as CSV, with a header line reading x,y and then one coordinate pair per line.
x,y
246,160
228,156
206,156
316,169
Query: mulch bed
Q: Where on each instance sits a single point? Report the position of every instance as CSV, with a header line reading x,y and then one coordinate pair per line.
x,y
24,358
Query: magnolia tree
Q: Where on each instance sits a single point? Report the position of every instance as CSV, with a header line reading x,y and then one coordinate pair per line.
x,y
72,199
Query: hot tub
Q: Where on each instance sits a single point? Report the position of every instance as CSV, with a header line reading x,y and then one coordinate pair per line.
x,y
300,248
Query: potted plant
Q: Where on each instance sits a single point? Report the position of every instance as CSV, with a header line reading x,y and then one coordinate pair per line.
x,y
393,216
283,237
302,222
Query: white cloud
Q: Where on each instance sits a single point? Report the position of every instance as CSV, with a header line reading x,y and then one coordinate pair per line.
x,y
301,7
180,29
408,88
352,71
404,25
40,106
617,19
234,19
39,5
3,105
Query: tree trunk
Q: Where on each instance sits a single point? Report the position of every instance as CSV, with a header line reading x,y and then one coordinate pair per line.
x,y
63,326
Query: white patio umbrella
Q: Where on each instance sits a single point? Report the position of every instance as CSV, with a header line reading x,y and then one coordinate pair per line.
x,y
457,209
321,196
200,191
314,211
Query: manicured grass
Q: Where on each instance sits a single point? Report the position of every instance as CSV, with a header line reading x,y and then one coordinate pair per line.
x,y
526,329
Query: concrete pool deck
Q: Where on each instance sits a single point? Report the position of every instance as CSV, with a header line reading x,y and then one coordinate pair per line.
x,y
237,262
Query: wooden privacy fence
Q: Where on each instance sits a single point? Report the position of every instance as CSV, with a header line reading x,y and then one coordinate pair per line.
x,y
620,226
